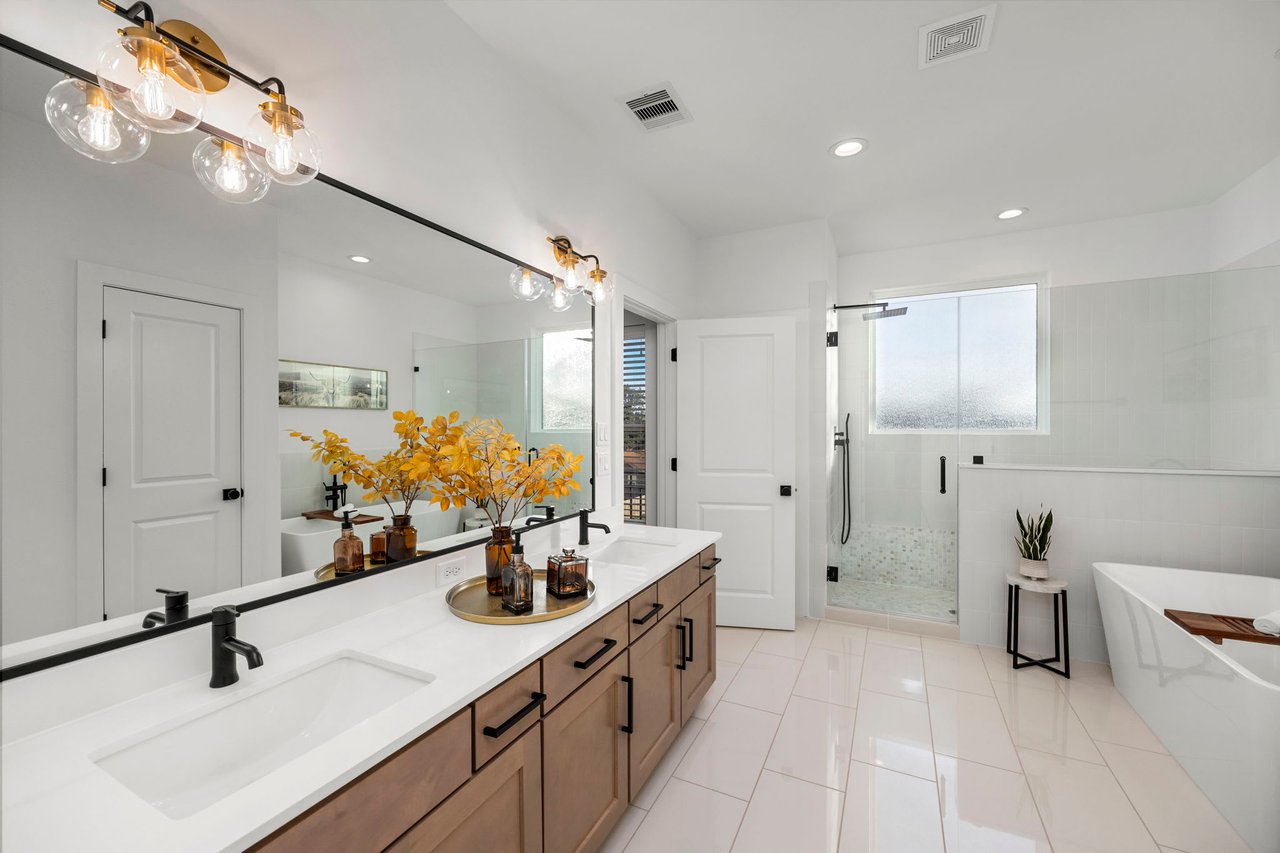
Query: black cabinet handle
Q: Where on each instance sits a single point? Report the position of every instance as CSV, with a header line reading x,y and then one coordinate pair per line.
x,y
942,474
715,561
631,704
689,621
535,700
583,664
657,605
684,662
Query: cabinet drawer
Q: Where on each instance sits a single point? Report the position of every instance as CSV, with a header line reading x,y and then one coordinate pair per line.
x,y
375,809
642,612
506,711
708,563
589,651
677,585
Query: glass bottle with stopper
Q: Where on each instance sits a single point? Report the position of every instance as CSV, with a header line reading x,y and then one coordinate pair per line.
x,y
517,582
566,574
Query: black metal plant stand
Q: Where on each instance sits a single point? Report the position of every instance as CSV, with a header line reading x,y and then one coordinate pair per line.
x,y
1061,638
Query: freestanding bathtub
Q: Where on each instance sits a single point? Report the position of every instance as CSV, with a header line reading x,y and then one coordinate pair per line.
x,y
1215,708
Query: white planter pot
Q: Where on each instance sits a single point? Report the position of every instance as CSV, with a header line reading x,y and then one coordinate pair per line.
x,y
1037,569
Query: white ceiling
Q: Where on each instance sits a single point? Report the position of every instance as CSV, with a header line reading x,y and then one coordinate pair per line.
x,y
1079,111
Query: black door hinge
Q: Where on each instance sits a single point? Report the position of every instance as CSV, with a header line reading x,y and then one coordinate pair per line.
x,y
673,353
104,330
104,477
833,574
833,339
673,463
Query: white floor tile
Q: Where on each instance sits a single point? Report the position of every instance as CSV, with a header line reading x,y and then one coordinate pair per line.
x,y
893,638
734,644
725,673
792,815
792,644
1043,720
1083,807
830,677
729,752
764,681
813,742
1000,669
689,819
1108,717
840,637
622,833
893,670
658,779
893,732
955,666
986,810
971,727
888,812
1174,809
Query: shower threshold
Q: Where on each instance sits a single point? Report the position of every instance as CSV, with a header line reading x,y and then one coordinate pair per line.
x,y
899,600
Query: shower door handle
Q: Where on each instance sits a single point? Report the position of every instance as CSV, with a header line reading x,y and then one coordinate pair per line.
x,y
942,474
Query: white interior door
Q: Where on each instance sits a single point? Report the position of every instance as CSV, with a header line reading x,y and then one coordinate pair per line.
x,y
735,446
171,445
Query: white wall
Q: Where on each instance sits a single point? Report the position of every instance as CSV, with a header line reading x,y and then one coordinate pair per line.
x,y
1245,222
1209,522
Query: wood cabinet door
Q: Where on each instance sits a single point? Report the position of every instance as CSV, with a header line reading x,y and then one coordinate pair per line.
x,y
698,613
656,700
585,763
500,809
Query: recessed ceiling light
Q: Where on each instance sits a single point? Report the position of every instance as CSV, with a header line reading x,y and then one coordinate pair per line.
x,y
848,147
359,259
1011,213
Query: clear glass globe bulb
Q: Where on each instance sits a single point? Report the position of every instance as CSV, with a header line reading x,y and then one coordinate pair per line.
x,y
224,171
151,98
230,176
281,156
524,284
601,288
150,82
572,279
280,145
98,130
561,299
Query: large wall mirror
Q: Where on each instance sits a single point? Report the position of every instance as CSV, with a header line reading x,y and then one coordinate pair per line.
x,y
156,454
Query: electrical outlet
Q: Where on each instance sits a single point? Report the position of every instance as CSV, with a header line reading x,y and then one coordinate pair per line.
x,y
602,433
449,573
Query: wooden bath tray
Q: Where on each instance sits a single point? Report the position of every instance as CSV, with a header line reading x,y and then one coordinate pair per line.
x,y
327,515
1216,628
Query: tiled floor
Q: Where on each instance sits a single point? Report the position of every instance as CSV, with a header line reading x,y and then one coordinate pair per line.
x,y
841,738
925,602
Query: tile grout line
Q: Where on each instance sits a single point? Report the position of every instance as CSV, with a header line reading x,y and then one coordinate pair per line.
x,y
760,775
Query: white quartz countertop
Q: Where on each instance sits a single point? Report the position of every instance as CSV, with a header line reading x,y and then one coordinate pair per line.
x,y
54,796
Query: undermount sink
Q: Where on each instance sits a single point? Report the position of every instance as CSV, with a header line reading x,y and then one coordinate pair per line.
x,y
631,552
188,766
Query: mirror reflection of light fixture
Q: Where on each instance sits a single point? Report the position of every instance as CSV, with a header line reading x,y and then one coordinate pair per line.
x,y
280,145
561,298
150,81
224,171
526,284
82,116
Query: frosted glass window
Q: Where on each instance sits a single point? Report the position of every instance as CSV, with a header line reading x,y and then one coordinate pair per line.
x,y
566,379
962,360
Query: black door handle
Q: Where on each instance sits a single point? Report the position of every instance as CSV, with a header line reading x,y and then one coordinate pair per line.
x,y
583,664
535,699
631,704
684,662
232,494
640,620
689,659
785,491
942,474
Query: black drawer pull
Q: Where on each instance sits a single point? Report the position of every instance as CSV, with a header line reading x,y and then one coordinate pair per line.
x,y
715,561
630,727
535,699
657,605
583,664
684,662
689,659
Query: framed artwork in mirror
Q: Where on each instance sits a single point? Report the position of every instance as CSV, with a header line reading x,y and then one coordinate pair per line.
x,y
305,385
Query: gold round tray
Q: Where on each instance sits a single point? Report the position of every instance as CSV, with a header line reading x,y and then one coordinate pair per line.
x,y
327,573
471,600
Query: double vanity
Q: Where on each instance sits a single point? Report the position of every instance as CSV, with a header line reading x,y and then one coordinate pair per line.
x,y
378,720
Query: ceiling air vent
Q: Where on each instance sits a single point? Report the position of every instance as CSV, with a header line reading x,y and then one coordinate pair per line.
x,y
657,108
956,37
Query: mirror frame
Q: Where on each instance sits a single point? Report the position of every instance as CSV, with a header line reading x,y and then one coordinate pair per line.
x,y
142,635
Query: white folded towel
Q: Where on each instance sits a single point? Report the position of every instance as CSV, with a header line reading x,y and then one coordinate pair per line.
x,y
1269,623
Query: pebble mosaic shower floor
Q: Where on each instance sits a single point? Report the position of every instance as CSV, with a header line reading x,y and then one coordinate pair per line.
x,y
924,602
907,571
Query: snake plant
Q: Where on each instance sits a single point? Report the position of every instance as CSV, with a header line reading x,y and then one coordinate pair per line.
x,y
1033,543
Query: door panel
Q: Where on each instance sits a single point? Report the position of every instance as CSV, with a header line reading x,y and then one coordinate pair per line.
x,y
171,444
699,613
736,450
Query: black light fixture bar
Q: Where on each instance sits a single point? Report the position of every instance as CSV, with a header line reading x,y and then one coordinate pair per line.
x,y
140,13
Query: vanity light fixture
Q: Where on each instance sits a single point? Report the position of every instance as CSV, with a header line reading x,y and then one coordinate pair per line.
x,y
82,116
526,284
848,147
279,144
149,80
601,286
1011,213
222,169
595,283
359,259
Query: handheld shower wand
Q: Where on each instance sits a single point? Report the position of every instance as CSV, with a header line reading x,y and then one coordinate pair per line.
x,y
846,511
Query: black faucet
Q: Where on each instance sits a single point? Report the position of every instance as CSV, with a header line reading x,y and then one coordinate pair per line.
x,y
335,494
226,647
585,525
175,609
549,514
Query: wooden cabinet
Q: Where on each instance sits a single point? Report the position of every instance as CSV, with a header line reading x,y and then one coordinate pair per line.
x,y
569,666
677,585
645,610
504,713
585,770
698,613
708,562
500,809
656,701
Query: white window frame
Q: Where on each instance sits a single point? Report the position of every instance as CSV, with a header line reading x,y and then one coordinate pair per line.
x,y
536,376
1040,280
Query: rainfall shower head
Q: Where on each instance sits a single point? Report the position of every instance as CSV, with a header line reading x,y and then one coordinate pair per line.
x,y
884,312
